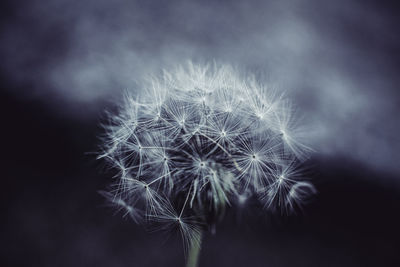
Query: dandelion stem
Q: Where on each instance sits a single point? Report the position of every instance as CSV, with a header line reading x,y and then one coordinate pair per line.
x,y
195,246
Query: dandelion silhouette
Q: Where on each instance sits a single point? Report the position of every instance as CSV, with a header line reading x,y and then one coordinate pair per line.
x,y
198,139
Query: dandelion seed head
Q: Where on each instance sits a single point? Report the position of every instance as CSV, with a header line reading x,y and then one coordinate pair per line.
x,y
199,138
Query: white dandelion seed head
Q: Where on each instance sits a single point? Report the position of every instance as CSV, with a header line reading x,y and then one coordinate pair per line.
x,y
202,137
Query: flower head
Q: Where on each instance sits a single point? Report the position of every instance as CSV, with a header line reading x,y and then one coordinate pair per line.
x,y
200,138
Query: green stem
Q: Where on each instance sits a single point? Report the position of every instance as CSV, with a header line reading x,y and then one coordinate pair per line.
x,y
193,257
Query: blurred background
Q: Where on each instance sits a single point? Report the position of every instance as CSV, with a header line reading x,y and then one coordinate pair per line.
x,y
66,61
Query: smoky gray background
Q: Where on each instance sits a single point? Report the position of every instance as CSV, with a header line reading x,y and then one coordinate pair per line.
x,y
64,62
337,60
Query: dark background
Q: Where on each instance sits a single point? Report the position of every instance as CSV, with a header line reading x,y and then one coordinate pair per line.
x,y
65,62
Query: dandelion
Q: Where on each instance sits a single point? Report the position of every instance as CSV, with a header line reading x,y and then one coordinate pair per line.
x,y
201,138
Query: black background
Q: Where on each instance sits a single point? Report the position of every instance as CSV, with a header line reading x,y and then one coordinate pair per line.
x,y
53,215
